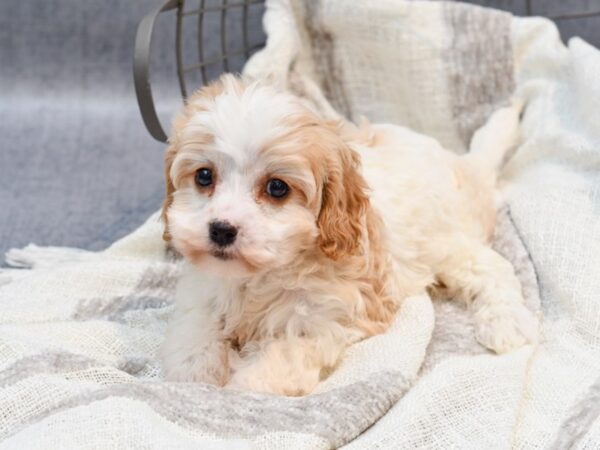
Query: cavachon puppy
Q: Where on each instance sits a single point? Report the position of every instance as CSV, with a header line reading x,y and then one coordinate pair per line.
x,y
302,236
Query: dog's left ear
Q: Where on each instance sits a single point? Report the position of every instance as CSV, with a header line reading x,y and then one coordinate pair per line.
x,y
169,189
341,219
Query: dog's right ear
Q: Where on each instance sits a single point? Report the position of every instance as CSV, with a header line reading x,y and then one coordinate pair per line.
x,y
345,202
170,189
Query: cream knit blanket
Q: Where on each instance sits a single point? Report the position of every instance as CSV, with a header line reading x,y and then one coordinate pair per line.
x,y
79,330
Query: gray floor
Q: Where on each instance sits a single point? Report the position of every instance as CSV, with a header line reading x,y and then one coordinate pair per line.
x,y
77,166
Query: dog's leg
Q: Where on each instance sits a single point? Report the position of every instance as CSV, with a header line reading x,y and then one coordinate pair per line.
x,y
194,349
478,275
290,366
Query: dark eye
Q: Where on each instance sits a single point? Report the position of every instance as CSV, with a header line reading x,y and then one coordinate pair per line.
x,y
277,188
204,177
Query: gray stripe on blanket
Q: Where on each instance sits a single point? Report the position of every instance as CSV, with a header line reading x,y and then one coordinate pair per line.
x,y
62,362
581,418
115,307
337,416
154,290
509,243
323,47
160,276
479,64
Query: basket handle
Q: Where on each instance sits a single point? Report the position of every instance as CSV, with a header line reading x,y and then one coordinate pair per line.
x,y
141,64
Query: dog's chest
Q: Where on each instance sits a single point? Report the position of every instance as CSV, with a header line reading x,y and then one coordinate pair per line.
x,y
257,314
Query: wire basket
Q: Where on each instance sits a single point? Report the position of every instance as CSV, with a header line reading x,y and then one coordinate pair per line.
x,y
206,66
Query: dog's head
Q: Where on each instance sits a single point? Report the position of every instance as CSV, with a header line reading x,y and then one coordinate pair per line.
x,y
255,179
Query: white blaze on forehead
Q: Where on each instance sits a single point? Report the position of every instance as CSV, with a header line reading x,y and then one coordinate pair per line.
x,y
243,122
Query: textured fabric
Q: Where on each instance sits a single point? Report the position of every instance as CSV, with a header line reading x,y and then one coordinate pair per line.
x,y
79,332
553,186
441,68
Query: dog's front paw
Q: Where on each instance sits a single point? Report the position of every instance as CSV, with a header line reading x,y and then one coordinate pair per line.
x,y
205,365
269,386
273,377
504,327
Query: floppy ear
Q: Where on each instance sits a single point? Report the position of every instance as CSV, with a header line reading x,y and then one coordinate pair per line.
x,y
170,189
340,222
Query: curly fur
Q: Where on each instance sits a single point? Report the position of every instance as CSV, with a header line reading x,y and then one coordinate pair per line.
x,y
374,214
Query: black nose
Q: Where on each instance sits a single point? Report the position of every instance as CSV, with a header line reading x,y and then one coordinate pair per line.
x,y
222,233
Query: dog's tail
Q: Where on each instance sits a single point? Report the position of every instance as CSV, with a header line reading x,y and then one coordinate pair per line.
x,y
492,142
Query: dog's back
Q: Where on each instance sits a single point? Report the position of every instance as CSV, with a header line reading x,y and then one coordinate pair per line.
x,y
426,193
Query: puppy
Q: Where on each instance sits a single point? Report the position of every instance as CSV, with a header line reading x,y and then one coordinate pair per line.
x,y
301,236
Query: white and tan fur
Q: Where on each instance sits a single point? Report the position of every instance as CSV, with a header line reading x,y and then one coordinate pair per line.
x,y
374,214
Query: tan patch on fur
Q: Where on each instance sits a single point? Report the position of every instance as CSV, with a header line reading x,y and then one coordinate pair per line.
x,y
344,204
336,169
380,305
224,356
191,252
343,197
248,264
170,189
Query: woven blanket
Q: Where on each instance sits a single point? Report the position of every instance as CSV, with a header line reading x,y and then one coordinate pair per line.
x,y
79,331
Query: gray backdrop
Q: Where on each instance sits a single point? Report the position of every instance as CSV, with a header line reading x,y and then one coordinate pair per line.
x,y
77,166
